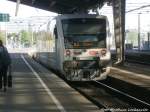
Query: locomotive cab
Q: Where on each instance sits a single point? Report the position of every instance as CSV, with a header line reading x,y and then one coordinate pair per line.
x,y
85,54
76,46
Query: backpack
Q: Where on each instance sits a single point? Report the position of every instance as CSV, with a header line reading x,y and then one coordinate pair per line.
x,y
4,57
1,56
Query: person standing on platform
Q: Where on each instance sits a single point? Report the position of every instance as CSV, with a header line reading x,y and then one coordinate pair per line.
x,y
5,61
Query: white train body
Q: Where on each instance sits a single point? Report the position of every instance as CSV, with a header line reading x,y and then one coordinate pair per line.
x,y
76,46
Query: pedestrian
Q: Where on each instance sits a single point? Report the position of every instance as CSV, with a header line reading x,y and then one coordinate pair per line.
x,y
5,62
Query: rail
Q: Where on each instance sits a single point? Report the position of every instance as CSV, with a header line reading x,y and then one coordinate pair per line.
x,y
134,99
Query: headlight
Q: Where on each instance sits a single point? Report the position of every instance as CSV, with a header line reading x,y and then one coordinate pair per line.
x,y
68,52
103,52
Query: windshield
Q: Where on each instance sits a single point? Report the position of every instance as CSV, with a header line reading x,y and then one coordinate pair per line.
x,y
84,33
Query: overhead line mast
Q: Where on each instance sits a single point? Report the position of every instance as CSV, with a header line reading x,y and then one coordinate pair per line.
x,y
17,7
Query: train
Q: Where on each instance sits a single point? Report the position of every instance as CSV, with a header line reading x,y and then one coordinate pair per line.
x,y
75,45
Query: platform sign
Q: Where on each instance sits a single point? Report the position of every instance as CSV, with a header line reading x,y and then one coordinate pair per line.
x,y
4,17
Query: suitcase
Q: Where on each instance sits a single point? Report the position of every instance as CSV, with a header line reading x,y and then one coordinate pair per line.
x,y
0,80
0,83
9,77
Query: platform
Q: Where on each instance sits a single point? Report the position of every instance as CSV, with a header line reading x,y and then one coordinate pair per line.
x,y
135,74
36,89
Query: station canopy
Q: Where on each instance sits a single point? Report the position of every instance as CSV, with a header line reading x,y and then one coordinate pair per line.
x,y
63,6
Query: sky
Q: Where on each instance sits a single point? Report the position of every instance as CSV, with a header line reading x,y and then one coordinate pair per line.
x,y
24,11
131,18
25,14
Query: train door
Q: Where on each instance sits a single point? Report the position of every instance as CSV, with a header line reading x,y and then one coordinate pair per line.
x,y
60,45
57,49
51,28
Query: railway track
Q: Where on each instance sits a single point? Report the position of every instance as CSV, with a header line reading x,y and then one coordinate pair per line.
x,y
109,98
135,58
133,61
138,62
136,102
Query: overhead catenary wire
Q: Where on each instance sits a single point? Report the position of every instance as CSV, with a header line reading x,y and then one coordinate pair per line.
x,y
141,7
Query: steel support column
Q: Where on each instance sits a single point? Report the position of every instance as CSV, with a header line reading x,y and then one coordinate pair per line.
x,y
119,28
148,40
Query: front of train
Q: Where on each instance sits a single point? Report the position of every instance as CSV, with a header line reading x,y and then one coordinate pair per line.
x,y
86,56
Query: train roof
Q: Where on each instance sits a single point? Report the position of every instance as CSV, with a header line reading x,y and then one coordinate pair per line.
x,y
67,16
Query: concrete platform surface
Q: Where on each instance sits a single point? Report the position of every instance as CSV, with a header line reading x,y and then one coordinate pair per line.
x,y
36,89
133,73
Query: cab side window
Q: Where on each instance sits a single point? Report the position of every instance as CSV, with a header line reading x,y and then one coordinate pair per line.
x,y
51,28
55,33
